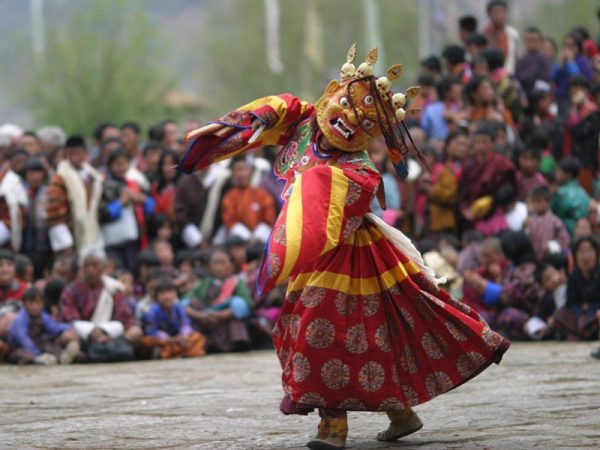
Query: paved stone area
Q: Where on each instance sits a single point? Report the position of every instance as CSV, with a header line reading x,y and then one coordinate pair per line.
x,y
543,395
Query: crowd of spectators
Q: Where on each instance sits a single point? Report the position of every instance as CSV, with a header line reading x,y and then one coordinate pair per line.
x,y
109,254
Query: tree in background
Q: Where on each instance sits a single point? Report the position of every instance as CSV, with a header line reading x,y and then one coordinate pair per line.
x,y
104,63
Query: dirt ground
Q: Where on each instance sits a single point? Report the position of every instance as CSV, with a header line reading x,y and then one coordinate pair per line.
x,y
543,395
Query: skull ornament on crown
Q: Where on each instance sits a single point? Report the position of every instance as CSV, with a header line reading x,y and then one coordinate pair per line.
x,y
360,106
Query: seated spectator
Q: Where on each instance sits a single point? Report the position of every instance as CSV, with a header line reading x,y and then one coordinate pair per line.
x,y
96,307
579,318
469,257
123,212
504,290
11,288
165,256
547,232
583,228
52,292
126,279
219,305
37,338
247,212
570,201
528,174
514,211
553,282
24,269
167,328
443,191
379,156
482,176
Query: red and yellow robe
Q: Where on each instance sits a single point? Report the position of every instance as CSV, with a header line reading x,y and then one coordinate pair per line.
x,y
363,326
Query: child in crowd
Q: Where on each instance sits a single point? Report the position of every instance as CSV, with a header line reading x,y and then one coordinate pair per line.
x,y
144,305
547,232
164,253
219,305
126,279
579,318
514,211
553,283
35,337
528,174
570,201
167,328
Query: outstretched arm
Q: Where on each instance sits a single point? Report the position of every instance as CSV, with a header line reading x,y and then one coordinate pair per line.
x,y
266,121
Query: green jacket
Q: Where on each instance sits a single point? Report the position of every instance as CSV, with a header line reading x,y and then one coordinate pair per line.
x,y
208,289
570,203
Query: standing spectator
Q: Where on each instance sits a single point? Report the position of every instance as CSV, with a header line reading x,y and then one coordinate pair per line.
x,y
30,143
123,212
579,318
443,116
165,188
247,212
534,65
73,199
572,63
13,204
52,139
466,26
96,307
131,137
153,151
570,201
546,231
167,327
455,62
191,201
35,234
36,338
501,35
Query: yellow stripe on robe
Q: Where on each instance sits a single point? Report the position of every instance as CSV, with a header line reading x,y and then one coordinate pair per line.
x,y
293,230
355,286
337,204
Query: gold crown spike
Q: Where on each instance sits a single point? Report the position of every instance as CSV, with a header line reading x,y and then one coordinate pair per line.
x,y
394,72
413,91
348,70
372,56
351,54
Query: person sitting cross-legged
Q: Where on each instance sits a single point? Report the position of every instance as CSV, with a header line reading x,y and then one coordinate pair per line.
x,y
35,337
167,327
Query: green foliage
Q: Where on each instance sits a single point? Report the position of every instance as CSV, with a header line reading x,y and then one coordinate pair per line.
x,y
556,19
102,64
235,67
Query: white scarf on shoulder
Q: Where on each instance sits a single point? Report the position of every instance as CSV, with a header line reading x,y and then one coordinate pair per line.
x,y
84,214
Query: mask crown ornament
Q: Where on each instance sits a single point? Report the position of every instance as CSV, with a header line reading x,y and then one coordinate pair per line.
x,y
383,84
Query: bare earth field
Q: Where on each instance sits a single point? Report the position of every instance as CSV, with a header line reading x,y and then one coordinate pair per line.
x,y
543,395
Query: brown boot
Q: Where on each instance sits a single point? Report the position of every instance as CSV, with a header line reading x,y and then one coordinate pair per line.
x,y
402,423
332,431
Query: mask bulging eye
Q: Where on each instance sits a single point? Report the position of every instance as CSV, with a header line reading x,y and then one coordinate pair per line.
x,y
367,124
368,100
344,102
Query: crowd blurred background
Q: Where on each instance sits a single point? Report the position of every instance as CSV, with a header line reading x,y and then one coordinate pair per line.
x,y
110,254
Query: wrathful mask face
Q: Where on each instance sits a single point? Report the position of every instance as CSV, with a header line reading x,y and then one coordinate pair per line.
x,y
347,115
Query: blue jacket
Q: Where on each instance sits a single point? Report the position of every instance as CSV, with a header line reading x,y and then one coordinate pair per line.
x,y
18,336
158,322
